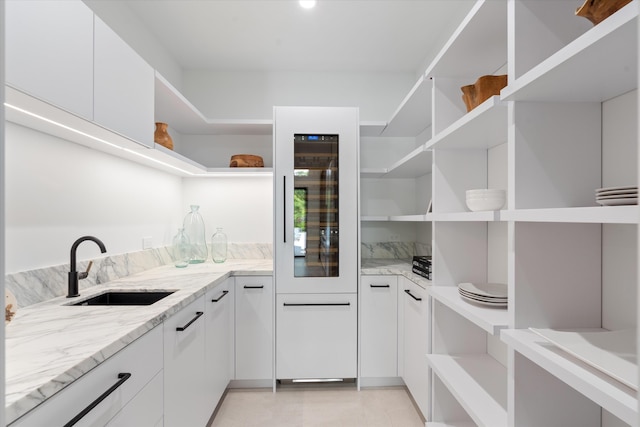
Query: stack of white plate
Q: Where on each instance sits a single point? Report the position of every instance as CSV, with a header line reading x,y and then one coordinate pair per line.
x,y
490,294
614,196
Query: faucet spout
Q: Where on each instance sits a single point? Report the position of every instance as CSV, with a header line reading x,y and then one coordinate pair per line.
x,y
73,274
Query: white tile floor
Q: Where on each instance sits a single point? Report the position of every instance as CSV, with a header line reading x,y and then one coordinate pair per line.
x,y
318,406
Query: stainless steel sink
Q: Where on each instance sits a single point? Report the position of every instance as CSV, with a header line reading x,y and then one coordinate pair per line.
x,y
125,298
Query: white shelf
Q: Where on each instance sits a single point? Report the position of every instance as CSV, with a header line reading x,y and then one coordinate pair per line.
x,y
599,65
591,214
367,218
488,216
413,165
483,127
414,113
451,424
173,108
612,395
478,382
479,44
408,218
492,320
373,172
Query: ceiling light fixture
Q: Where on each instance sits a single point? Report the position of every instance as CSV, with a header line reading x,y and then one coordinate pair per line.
x,y
308,4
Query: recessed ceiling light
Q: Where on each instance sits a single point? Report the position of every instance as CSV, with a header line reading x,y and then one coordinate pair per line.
x,y
307,4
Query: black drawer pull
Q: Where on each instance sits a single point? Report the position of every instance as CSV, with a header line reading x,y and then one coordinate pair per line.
x,y
182,328
380,286
412,295
224,293
122,378
253,286
316,304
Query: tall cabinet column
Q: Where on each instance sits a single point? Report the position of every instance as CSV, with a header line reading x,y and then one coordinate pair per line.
x,y
316,241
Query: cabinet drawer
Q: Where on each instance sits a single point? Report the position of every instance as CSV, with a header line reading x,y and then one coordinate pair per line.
x,y
316,336
142,359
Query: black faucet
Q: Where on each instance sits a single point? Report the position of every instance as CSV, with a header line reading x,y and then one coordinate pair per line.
x,y
74,276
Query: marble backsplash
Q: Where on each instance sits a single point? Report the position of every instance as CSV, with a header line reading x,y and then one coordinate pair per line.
x,y
34,286
393,250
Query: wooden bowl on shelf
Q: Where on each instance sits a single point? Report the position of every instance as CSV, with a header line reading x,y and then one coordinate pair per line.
x,y
597,11
484,88
246,161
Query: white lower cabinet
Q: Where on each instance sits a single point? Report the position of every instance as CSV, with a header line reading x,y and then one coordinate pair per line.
x,y
378,326
185,388
219,308
416,315
124,382
316,336
254,328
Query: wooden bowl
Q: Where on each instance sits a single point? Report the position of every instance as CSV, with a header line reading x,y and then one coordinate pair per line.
x,y
597,11
484,88
246,161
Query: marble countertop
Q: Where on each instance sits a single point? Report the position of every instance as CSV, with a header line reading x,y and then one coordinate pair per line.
x,y
51,344
398,267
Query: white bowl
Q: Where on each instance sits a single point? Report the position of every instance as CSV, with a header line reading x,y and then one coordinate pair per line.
x,y
484,192
486,204
488,196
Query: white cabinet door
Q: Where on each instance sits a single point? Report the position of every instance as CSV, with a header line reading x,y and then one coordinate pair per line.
x,y
118,379
254,328
49,52
124,87
379,326
316,245
185,389
317,336
219,339
416,330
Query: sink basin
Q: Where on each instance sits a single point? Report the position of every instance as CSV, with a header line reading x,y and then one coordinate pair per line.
x,y
125,298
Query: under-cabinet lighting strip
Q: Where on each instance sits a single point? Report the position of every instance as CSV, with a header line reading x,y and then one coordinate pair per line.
x,y
79,132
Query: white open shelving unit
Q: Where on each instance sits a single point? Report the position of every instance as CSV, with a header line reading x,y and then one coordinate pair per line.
x,y
547,140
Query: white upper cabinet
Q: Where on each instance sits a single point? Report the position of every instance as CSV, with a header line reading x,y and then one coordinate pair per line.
x,y
124,87
49,52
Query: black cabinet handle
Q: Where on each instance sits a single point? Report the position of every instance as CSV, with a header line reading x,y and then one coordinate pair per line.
x,y
316,304
122,378
412,295
224,293
253,286
182,328
380,286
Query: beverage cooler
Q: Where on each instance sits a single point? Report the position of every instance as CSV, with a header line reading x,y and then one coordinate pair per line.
x,y
316,242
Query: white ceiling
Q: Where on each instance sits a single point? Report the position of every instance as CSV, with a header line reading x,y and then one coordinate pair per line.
x,y
279,35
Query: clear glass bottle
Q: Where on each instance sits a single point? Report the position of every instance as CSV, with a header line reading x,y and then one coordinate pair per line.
x,y
219,246
194,229
181,249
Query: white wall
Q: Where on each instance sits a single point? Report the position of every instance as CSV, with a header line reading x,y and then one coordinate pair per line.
x,y
252,95
242,206
57,191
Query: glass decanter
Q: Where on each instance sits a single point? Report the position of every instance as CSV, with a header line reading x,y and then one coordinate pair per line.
x,y
194,229
219,246
181,249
